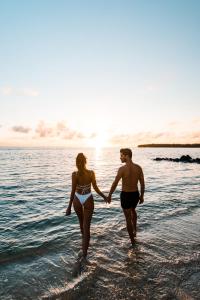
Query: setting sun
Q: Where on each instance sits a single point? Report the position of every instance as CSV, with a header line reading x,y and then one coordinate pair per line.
x,y
99,141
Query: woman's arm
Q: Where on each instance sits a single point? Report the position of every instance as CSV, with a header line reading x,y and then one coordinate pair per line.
x,y
68,210
95,187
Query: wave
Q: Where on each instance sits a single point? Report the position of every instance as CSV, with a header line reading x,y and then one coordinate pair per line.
x,y
33,249
10,187
140,278
35,223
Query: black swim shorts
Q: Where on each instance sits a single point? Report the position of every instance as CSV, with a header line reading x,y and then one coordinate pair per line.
x,y
129,199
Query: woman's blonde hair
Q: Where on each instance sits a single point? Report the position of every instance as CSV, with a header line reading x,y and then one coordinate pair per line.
x,y
81,162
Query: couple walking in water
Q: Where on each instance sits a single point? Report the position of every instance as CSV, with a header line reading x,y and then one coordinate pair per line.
x,y
82,198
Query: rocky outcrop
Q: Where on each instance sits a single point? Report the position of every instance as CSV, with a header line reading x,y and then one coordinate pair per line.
x,y
183,158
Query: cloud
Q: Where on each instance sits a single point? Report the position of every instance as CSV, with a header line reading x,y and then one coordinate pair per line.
x,y
43,130
190,125
156,137
10,91
195,135
61,126
21,129
93,135
6,90
27,92
196,121
58,130
73,135
173,124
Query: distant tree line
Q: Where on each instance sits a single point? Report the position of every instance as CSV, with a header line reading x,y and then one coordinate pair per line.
x,y
171,145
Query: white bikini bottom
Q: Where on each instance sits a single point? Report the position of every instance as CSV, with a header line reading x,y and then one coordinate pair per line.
x,y
82,198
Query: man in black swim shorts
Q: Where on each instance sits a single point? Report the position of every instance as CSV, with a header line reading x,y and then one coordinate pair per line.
x,y
129,199
130,174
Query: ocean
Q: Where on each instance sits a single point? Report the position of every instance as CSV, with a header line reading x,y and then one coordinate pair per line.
x,y
39,245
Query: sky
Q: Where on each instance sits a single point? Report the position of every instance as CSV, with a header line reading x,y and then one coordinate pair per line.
x,y
99,73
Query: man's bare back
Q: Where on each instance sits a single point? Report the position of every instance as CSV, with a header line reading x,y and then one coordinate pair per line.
x,y
130,173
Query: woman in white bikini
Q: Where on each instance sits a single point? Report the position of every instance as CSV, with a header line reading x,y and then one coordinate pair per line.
x,y
82,198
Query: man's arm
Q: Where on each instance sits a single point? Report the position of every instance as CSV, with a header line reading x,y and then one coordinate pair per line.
x,y
142,186
68,210
115,183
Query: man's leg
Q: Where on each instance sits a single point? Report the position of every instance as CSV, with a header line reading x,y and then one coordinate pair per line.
x,y
129,224
134,220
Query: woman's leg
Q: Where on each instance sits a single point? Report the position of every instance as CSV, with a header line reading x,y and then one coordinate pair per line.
x,y
79,211
88,211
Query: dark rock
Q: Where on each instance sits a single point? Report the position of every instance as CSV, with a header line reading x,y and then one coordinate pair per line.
x,y
183,158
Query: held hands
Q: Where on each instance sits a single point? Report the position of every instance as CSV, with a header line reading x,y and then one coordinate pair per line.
x,y
105,198
109,199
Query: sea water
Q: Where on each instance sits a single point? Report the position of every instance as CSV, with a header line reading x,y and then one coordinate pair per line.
x,y
39,245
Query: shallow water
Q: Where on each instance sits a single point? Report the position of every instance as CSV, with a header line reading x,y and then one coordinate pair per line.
x,y
39,245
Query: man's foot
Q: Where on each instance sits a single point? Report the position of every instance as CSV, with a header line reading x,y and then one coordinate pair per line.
x,y
133,242
84,259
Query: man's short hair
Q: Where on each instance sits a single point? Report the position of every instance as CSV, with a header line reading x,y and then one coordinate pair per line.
x,y
126,151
